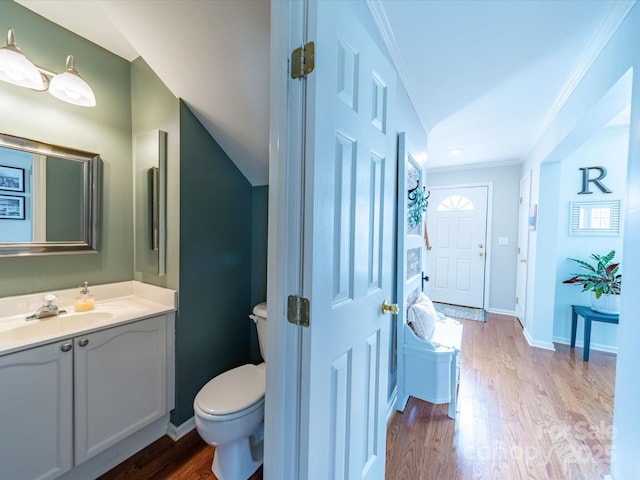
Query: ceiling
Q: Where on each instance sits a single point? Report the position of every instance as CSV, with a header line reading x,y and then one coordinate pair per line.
x,y
486,77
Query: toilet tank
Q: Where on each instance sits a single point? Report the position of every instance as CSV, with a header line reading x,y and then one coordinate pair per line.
x,y
260,318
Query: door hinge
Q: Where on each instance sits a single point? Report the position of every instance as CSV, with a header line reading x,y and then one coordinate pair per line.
x,y
520,200
303,60
298,310
517,300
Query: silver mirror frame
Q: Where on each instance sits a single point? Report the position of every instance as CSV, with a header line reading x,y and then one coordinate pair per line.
x,y
91,193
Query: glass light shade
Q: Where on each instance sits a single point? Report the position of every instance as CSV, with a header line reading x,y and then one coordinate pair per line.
x,y
15,68
71,88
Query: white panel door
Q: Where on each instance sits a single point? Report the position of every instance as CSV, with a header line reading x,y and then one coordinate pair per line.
x,y
350,166
411,248
523,248
457,225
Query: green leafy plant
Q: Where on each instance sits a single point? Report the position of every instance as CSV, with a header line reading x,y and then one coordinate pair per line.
x,y
603,277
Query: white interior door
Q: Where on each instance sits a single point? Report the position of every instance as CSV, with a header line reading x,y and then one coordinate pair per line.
x,y
350,175
411,249
457,225
411,242
523,248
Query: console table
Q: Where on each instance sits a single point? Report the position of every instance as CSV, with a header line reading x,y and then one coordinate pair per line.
x,y
589,316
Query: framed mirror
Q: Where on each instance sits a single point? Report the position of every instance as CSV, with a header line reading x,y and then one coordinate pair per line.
x,y
150,202
49,198
597,218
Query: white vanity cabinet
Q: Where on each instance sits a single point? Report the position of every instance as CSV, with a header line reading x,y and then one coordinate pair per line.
x,y
36,412
120,383
63,403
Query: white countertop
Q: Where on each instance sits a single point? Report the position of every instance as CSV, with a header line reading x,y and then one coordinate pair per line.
x,y
116,304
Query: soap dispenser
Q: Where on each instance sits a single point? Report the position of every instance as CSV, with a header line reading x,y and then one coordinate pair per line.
x,y
85,301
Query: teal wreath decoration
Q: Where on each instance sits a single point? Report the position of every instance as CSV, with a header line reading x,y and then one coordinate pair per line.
x,y
418,202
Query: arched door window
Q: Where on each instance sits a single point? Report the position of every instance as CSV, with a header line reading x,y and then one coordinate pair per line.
x,y
455,202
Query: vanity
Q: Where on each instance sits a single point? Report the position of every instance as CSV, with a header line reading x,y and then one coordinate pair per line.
x,y
83,391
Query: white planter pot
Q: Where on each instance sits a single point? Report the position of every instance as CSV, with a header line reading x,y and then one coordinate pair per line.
x,y
605,304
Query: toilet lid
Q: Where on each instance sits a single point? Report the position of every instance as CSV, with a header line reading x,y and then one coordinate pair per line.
x,y
232,391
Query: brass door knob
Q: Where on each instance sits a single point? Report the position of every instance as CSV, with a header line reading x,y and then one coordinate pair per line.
x,y
480,254
523,260
391,308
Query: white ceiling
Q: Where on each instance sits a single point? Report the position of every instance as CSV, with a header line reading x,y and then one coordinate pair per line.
x,y
484,76
490,76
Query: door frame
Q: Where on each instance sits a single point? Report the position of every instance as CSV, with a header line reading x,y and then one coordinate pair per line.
x,y
526,179
285,254
488,249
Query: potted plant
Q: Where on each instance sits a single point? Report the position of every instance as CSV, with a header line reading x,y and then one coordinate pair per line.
x,y
603,280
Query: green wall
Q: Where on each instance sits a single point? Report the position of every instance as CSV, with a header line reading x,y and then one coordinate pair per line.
x,y
154,107
65,200
104,129
212,327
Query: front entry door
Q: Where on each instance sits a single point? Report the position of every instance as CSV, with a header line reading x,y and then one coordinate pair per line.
x,y
348,227
457,225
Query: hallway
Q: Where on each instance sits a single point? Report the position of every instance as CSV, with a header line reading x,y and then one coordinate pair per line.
x,y
525,413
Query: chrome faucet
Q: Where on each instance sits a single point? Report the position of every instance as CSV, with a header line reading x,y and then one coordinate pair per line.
x,y
48,309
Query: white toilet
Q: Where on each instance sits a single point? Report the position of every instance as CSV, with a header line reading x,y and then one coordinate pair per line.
x,y
229,413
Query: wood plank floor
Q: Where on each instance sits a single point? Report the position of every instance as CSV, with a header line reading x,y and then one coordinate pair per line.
x,y
187,459
525,413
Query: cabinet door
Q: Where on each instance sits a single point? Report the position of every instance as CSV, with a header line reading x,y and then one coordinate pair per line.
x,y
120,383
36,412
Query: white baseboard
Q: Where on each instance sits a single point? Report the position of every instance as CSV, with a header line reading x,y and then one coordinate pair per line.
x,y
593,346
500,311
537,343
176,433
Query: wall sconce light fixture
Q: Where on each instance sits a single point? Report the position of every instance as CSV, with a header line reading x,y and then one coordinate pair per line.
x,y
68,86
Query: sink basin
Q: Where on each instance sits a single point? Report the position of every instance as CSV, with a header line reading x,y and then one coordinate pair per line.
x,y
18,333
53,326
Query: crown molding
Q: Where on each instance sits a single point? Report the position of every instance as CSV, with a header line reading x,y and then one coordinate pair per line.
x,y
599,40
472,166
381,20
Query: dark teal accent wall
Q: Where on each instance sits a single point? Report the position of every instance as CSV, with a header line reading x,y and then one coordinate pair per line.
x,y
212,327
260,210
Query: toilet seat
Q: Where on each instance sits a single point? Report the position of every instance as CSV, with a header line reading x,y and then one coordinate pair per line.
x,y
232,394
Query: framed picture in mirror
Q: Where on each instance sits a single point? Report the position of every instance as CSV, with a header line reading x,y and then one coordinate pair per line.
x,y
11,178
11,207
